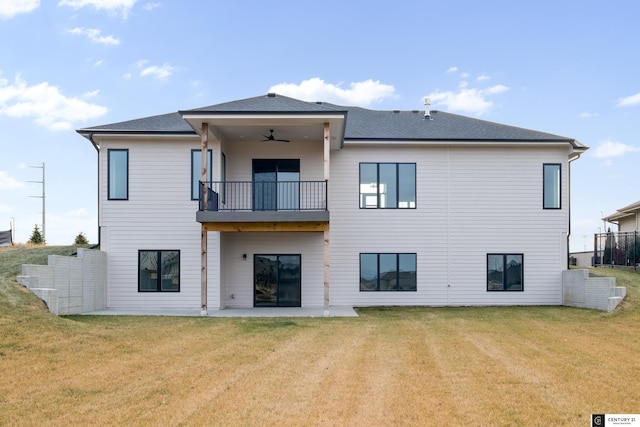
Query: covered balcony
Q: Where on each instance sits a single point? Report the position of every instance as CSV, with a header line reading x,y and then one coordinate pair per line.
x,y
263,205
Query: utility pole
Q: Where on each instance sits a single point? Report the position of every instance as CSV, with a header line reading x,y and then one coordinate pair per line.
x,y
41,197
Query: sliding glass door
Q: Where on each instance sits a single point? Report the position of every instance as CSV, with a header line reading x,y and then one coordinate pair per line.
x,y
276,184
277,281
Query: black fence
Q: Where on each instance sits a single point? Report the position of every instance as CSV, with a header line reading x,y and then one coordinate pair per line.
x,y
264,196
616,248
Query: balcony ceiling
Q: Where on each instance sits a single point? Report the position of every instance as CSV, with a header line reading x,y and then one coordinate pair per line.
x,y
257,133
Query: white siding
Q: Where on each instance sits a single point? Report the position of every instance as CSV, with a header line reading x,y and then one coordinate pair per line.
x,y
470,202
239,273
628,224
240,154
159,215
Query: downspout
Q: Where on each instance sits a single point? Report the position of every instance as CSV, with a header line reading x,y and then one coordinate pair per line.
x,y
97,147
569,208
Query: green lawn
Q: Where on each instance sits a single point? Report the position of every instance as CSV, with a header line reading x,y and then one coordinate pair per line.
x,y
481,366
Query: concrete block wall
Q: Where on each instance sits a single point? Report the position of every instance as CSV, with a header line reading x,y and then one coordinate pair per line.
x,y
94,280
49,296
69,285
599,293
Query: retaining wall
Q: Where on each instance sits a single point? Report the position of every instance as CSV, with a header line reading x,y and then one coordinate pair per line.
x,y
599,293
69,285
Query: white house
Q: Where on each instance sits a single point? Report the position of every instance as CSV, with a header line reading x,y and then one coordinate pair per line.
x,y
627,219
313,204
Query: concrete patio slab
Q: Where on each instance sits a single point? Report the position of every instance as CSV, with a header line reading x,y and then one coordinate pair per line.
x,y
333,311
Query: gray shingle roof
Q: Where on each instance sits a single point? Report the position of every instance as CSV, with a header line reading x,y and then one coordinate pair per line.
x,y
165,123
269,103
441,126
361,123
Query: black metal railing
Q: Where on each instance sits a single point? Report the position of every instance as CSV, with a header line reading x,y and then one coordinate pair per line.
x,y
616,248
264,196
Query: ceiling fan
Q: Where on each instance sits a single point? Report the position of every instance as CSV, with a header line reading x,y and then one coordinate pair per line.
x,y
272,138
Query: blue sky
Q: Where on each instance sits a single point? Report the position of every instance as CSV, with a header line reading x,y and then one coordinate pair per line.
x,y
568,68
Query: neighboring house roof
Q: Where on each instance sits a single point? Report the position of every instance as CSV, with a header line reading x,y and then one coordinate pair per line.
x,y
361,123
631,210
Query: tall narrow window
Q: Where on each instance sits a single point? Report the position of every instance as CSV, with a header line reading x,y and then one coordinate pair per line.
x,y
158,271
118,174
196,172
505,272
387,185
551,186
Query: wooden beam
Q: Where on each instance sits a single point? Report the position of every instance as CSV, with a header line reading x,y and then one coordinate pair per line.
x,y
327,150
204,143
327,173
326,272
265,226
204,151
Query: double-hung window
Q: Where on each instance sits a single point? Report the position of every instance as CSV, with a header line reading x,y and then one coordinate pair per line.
x,y
387,272
505,272
158,271
551,177
118,174
387,185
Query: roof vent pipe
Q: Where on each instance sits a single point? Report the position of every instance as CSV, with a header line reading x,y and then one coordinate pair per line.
x,y
427,108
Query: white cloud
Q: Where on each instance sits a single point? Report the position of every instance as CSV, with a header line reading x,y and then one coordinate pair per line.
x,y
92,93
362,93
159,72
467,100
127,76
607,149
151,6
452,69
11,8
9,183
587,115
629,101
483,77
123,6
95,36
45,104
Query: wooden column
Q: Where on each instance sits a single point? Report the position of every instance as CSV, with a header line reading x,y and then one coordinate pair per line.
x,y
204,145
327,170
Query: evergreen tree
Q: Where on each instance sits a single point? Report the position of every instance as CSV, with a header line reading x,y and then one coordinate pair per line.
x,y
609,247
81,239
36,237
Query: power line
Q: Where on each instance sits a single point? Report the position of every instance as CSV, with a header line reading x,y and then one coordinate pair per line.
x,y
41,197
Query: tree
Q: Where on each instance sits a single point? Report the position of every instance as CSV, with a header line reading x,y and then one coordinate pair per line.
x,y
81,239
36,237
609,248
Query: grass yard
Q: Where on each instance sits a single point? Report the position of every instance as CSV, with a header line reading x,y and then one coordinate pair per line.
x,y
488,366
